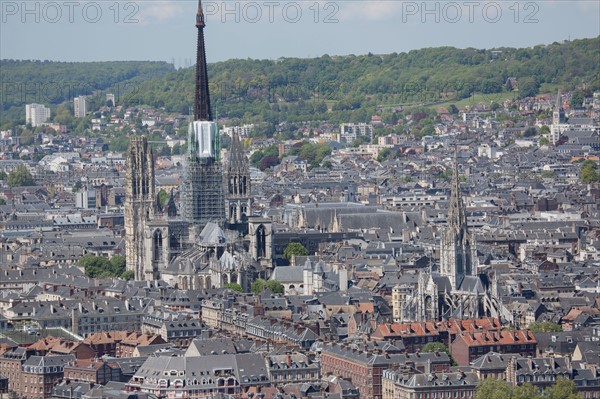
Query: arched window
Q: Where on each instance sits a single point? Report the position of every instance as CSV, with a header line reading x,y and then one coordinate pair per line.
x,y
261,241
157,246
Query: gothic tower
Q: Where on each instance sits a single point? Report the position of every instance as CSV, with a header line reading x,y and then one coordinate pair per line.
x,y
139,205
457,252
203,185
237,184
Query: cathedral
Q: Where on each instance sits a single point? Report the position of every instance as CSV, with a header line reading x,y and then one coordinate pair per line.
x,y
200,244
456,290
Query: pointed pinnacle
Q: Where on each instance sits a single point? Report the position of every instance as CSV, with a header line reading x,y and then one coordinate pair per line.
x,y
200,16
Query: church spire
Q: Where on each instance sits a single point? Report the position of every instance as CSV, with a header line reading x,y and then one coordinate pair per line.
x,y
456,214
202,111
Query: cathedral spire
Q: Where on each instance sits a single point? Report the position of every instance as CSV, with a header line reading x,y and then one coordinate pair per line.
x,y
202,111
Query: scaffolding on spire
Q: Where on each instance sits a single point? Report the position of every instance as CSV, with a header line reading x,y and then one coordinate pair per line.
x,y
203,185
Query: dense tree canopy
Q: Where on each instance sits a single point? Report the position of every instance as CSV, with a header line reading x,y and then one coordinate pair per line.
x,y
351,88
55,82
544,326
259,285
489,388
588,172
294,249
99,266
234,286
20,177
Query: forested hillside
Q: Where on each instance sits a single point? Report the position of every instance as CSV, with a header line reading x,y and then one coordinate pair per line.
x,y
52,83
328,88
351,88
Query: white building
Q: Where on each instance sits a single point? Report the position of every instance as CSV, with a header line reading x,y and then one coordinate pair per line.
x,y
242,131
36,114
351,131
79,107
111,98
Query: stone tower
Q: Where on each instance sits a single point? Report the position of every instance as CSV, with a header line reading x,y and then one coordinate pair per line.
x,y
237,184
397,300
203,185
457,249
558,114
558,120
140,203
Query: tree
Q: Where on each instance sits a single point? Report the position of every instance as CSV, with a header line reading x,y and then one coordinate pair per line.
x,y
259,285
546,326
117,264
77,186
26,138
587,174
526,391
163,197
563,388
99,266
20,177
234,287
577,99
530,132
432,347
268,162
294,249
275,286
128,275
2,201
493,389
528,87
384,154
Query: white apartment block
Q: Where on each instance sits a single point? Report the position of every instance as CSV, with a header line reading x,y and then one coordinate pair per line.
x,y
242,131
36,114
351,131
79,107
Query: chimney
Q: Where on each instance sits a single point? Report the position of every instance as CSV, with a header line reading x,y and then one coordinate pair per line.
x,y
288,360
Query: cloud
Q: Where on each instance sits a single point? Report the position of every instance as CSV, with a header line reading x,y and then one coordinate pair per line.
x,y
160,12
370,10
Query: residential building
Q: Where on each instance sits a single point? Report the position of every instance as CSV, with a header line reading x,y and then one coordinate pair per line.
x,y
36,114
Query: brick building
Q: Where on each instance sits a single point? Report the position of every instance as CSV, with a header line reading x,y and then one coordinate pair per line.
x,y
39,374
365,368
97,372
468,347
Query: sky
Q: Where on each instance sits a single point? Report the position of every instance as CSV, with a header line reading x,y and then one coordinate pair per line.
x,y
110,30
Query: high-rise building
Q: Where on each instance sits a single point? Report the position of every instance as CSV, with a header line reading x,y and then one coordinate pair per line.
x,y
79,107
36,114
203,186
